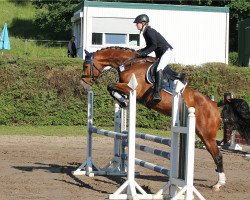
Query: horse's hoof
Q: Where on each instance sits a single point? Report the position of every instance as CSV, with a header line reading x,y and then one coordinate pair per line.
x,y
124,104
216,187
221,182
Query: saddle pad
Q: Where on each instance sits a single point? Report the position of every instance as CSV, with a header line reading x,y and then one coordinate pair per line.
x,y
167,84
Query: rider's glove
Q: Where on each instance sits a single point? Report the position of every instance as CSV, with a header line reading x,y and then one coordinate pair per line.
x,y
140,54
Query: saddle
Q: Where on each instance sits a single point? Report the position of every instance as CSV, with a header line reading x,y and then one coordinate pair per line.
x,y
169,76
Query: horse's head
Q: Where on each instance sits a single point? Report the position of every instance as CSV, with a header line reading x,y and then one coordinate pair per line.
x,y
95,63
90,71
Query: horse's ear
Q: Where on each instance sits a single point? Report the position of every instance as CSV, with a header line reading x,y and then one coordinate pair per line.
x,y
86,52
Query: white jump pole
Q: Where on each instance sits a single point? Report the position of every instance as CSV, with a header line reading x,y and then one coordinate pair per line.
x,y
185,187
89,167
174,139
117,166
233,145
128,189
89,139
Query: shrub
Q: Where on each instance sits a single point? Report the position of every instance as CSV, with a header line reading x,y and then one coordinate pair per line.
x,y
233,58
48,92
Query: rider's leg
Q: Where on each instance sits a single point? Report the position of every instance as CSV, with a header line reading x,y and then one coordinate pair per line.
x,y
157,88
164,60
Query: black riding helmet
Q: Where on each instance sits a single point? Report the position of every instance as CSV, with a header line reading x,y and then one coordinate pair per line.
x,y
141,18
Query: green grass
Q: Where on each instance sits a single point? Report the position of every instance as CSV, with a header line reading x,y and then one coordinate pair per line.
x,y
72,131
63,131
32,49
44,130
22,10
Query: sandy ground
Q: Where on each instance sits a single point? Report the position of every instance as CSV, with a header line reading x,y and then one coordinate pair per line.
x,y
40,168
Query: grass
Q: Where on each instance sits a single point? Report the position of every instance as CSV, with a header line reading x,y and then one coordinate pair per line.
x,y
32,49
22,10
44,130
72,131
63,131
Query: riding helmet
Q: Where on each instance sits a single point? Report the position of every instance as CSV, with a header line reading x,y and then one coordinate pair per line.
x,y
141,18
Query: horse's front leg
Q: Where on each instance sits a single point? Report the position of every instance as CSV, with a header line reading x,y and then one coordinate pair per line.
x,y
119,91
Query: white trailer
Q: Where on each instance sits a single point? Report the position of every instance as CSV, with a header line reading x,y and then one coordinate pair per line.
x,y
198,34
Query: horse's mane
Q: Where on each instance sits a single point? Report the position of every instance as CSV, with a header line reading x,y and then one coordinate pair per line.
x,y
117,48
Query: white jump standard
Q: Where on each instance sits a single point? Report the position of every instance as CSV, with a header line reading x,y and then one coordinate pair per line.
x,y
129,187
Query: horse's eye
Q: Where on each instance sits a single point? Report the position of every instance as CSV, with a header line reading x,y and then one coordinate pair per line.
x,y
85,66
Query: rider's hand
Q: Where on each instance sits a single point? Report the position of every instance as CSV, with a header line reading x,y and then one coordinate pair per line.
x,y
140,54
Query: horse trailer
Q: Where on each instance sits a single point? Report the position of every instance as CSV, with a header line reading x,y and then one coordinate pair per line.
x,y
198,34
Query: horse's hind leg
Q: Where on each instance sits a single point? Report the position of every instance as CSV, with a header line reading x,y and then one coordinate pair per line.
x,y
213,149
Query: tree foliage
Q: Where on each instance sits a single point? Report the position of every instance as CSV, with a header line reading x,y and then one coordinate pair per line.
x,y
239,10
53,18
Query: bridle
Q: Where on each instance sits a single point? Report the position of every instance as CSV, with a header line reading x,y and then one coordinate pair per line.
x,y
89,59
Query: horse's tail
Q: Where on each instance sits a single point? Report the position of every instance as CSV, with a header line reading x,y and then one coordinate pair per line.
x,y
236,116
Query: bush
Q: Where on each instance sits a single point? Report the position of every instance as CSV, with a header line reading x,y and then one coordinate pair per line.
x,y
233,58
48,92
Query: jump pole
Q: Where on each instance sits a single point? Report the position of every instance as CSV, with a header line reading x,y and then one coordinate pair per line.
x,y
115,166
128,190
180,188
89,167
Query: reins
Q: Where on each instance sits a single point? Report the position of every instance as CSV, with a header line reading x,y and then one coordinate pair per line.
x,y
128,63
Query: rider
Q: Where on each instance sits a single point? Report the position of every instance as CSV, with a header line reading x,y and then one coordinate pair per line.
x,y
157,43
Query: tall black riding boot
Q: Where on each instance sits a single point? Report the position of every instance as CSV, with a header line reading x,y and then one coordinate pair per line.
x,y
157,89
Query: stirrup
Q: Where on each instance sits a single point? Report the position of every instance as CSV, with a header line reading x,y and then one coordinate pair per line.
x,y
157,97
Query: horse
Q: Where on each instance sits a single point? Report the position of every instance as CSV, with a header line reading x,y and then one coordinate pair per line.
x,y
127,62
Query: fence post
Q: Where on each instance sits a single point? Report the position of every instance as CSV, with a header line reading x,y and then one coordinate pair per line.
x,y
89,165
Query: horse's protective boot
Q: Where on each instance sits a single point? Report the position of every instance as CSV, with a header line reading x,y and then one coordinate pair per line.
x,y
157,89
121,99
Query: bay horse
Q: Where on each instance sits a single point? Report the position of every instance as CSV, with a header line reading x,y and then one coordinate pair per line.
x,y
126,62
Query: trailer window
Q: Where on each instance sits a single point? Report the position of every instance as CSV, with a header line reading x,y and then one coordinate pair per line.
x,y
111,38
134,40
116,39
97,38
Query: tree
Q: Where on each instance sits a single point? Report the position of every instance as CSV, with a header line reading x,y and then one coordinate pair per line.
x,y
54,18
239,10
